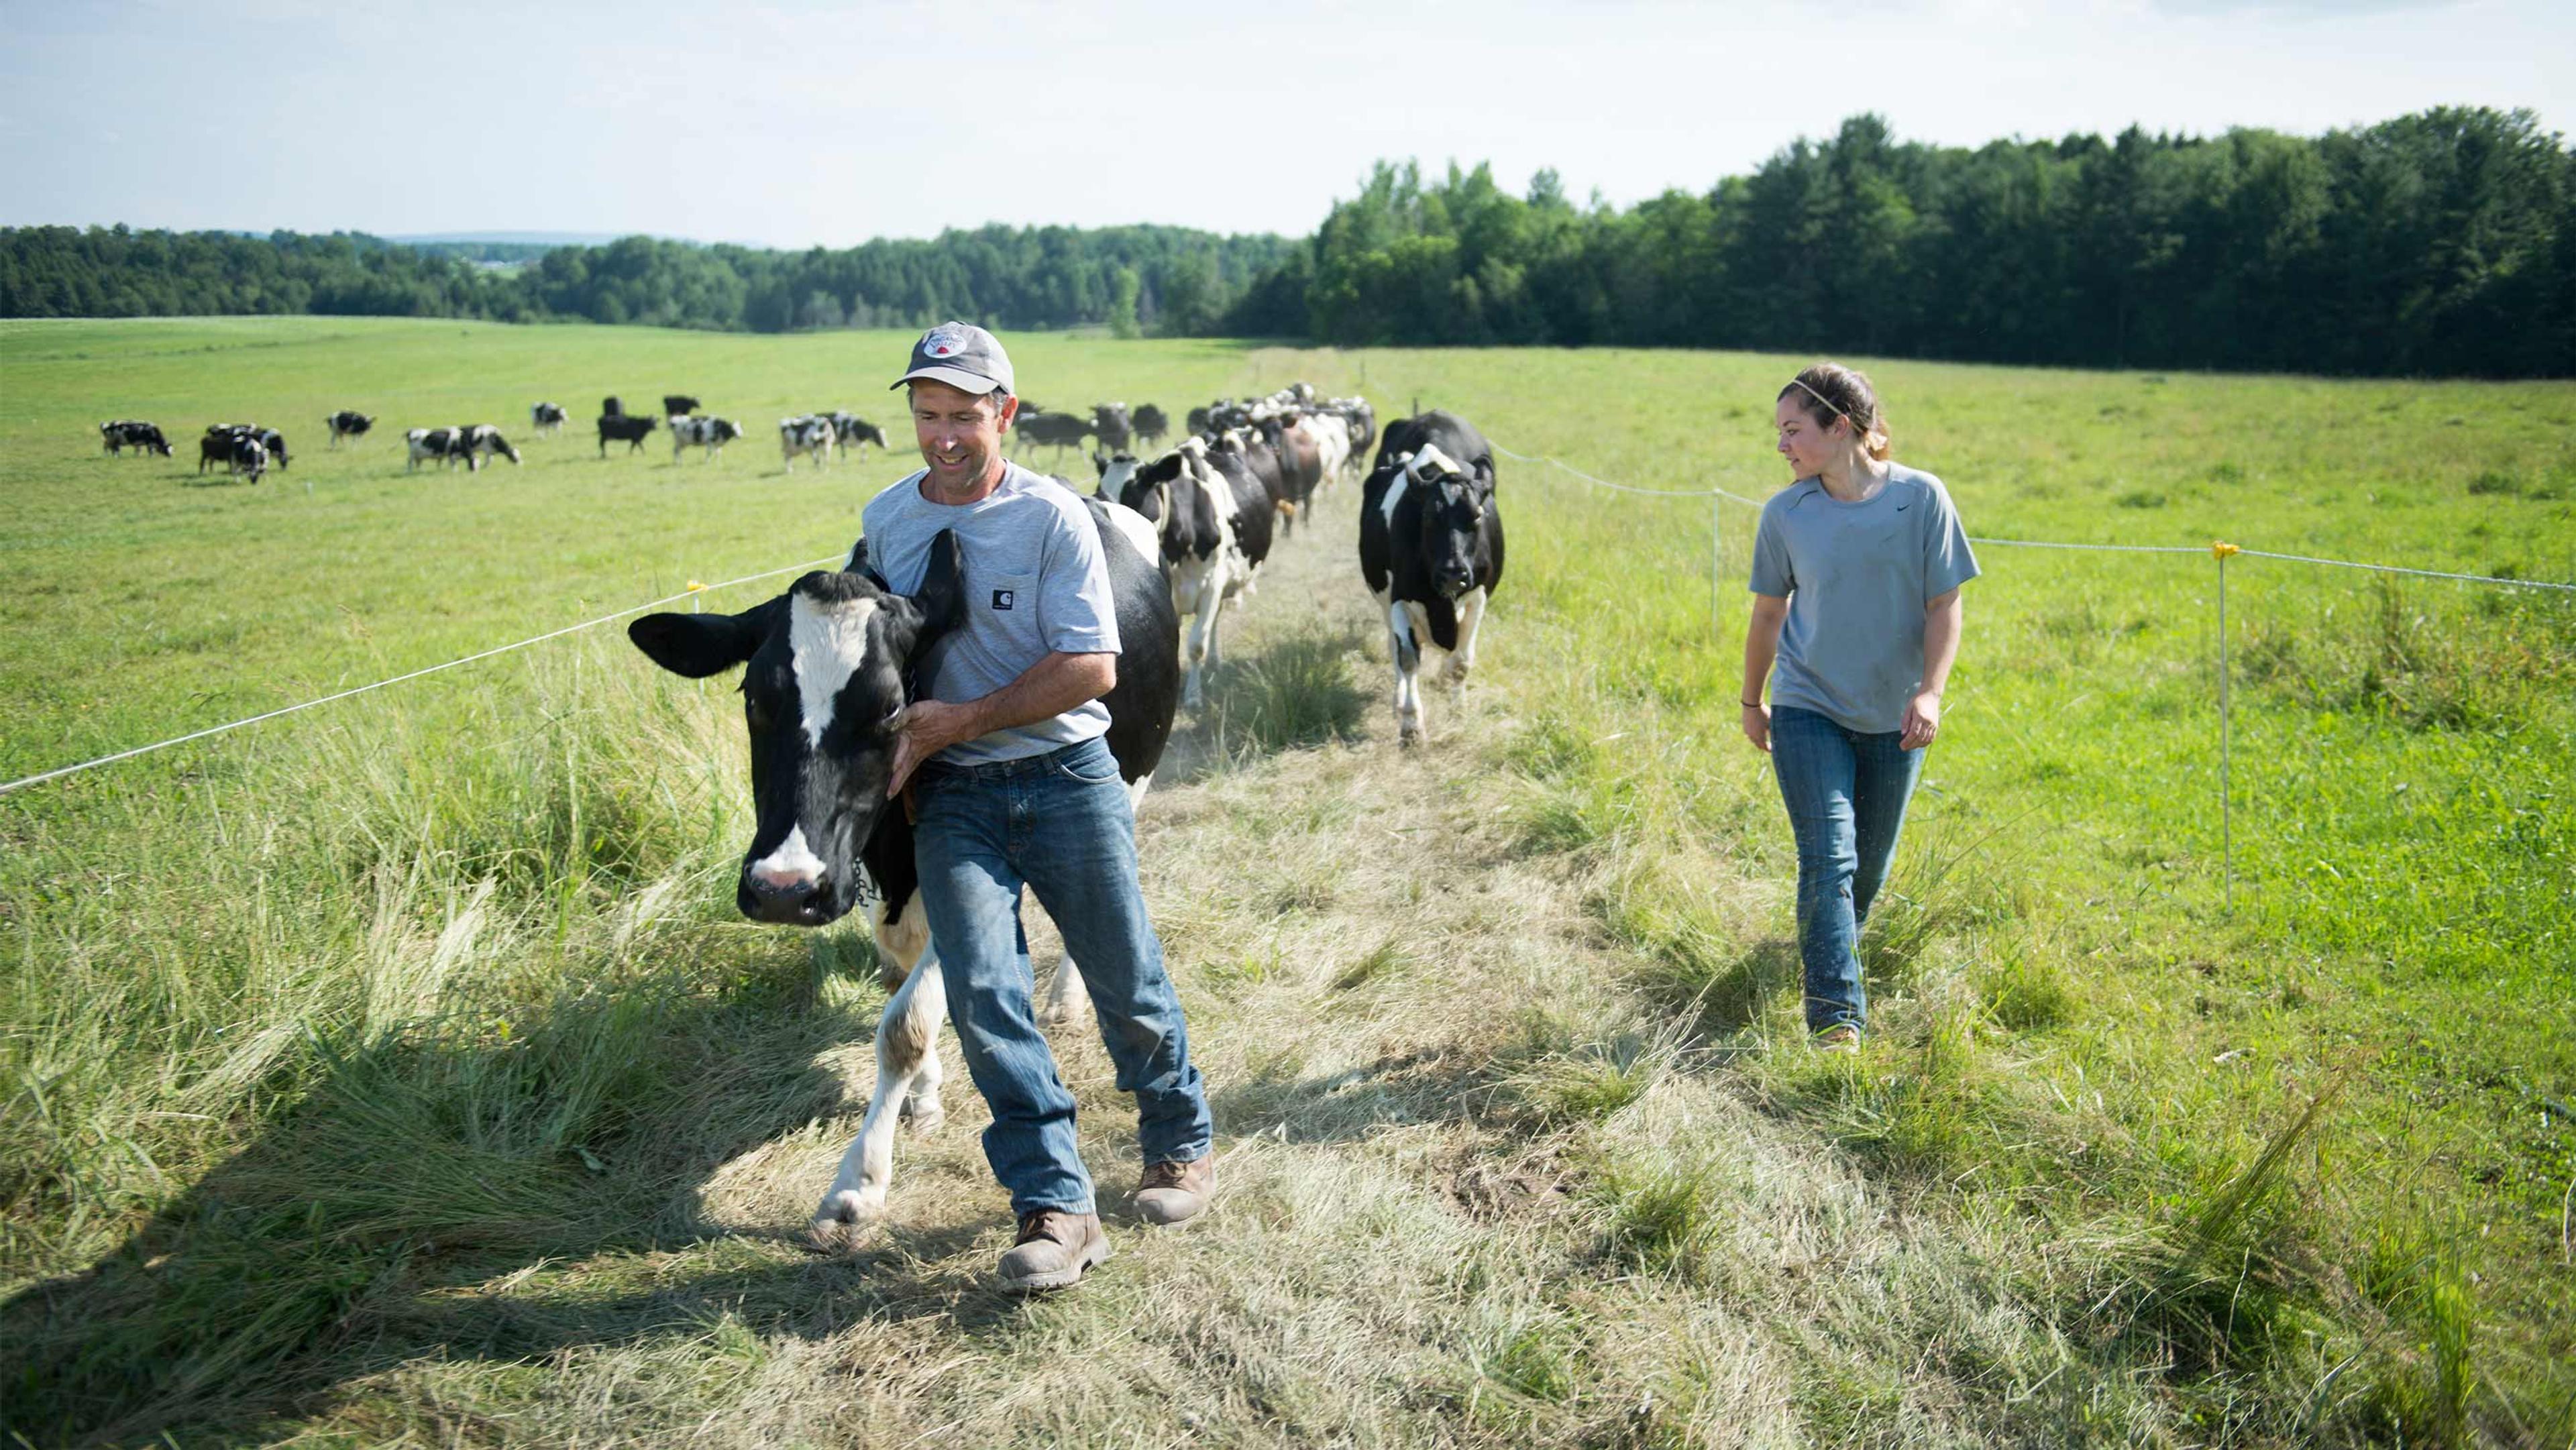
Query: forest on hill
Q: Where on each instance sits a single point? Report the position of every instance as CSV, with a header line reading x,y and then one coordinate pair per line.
x,y
2440,243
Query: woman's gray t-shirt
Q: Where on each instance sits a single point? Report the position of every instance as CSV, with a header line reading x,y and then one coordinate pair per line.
x,y
1857,576
1036,583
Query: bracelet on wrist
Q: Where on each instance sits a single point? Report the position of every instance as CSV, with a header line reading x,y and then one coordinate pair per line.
x,y
1751,704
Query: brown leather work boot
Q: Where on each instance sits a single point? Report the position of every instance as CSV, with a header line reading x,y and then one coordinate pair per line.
x,y
1172,1192
1053,1250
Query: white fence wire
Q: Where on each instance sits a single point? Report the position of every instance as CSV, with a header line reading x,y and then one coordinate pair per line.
x,y
691,593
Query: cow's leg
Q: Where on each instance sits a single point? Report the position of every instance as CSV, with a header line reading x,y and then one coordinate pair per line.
x,y
1471,612
1408,664
907,1083
1197,579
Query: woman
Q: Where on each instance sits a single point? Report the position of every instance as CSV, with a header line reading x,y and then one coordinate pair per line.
x,y
1856,574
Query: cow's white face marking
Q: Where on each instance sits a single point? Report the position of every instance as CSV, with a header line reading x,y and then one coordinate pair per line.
x,y
792,864
828,643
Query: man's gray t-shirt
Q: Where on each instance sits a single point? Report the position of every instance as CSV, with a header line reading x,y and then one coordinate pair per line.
x,y
1857,576
1036,583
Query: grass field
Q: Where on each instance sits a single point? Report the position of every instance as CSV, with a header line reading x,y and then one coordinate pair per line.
x,y
397,1073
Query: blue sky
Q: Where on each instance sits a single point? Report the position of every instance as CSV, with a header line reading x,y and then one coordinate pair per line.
x,y
796,125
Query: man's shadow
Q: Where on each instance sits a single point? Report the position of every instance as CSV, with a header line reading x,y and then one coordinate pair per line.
x,y
350,1236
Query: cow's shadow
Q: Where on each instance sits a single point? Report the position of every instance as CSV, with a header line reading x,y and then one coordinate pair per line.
x,y
478,1190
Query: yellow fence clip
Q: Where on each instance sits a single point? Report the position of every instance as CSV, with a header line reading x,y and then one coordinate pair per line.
x,y
2220,549
697,588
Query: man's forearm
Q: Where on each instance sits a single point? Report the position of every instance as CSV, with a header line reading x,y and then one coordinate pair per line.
x,y
1053,685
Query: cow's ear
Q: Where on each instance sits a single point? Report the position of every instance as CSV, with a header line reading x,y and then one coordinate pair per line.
x,y
942,597
699,645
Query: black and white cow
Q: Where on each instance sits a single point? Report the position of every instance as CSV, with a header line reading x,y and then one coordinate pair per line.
x,y
1431,548
675,404
249,455
132,433
824,689
347,424
216,446
1301,460
1214,531
546,419
442,446
626,429
808,435
708,434
849,431
485,439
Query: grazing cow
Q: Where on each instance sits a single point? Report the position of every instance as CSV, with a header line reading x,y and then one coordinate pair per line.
x,y
1431,548
808,435
675,404
849,431
443,446
216,445
1059,431
620,428
709,434
829,663
485,439
249,455
1151,425
1214,528
547,419
132,433
1111,426
347,424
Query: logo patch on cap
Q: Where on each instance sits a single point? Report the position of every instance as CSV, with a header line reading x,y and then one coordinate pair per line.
x,y
942,342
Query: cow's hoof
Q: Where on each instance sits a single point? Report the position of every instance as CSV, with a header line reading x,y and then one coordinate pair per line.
x,y
924,1119
1409,738
843,1224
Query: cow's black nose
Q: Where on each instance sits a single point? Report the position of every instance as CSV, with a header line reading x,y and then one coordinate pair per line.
x,y
796,904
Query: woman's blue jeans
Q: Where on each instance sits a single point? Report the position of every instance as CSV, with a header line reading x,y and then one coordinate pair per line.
x,y
1060,824
1846,791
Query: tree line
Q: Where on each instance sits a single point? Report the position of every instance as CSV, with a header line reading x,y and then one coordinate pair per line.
x,y
1135,278
2437,243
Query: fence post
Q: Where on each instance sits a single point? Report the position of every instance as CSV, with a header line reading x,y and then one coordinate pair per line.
x,y
2219,549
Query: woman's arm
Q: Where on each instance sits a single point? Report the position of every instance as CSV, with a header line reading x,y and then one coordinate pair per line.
x,y
1940,649
1761,647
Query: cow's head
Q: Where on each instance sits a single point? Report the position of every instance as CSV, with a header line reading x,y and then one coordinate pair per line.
x,y
1454,501
822,697
1147,488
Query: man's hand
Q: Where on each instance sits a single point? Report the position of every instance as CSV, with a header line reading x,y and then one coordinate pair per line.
x,y
929,727
1757,727
1922,722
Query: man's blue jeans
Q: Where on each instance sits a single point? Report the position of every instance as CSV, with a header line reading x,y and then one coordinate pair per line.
x,y
1061,824
1846,791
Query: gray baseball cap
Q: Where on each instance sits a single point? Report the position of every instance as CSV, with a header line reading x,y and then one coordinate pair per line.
x,y
961,355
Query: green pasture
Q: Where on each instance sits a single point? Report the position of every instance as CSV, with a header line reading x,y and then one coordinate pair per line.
x,y
445,914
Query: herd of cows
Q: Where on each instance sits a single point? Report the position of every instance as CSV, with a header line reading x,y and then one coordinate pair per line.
x,y
1210,508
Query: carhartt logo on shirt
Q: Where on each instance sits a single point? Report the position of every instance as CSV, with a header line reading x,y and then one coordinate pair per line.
x,y
1001,599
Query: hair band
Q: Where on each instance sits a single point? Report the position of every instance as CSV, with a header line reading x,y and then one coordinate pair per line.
x,y
1801,383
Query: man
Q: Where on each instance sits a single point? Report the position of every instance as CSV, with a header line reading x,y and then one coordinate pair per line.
x,y
1011,784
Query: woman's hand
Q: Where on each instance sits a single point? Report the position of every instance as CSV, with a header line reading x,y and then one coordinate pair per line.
x,y
1922,721
1757,727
